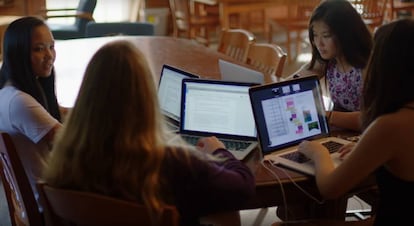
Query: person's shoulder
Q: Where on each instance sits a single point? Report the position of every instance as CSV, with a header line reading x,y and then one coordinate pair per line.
x,y
399,121
17,97
14,93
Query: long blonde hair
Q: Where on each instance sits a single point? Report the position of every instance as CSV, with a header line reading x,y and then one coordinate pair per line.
x,y
112,142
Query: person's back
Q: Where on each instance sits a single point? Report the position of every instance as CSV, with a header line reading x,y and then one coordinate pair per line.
x,y
117,145
390,72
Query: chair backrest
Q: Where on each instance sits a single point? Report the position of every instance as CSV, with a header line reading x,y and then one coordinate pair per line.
x,y
89,209
180,14
267,58
85,7
94,29
236,43
372,11
301,10
21,200
194,21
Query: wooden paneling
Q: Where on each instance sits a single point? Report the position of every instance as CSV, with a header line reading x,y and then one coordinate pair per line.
x,y
156,3
23,7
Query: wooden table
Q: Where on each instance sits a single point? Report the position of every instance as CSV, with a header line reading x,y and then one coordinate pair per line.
x,y
73,56
271,182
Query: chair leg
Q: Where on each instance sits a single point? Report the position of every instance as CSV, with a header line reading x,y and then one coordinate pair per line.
x,y
288,47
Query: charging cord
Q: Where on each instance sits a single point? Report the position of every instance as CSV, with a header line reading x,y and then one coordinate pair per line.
x,y
282,188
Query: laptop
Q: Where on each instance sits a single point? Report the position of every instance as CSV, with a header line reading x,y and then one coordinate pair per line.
x,y
288,112
218,108
169,94
237,73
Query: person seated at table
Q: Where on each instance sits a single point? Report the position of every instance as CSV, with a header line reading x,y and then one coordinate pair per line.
x,y
115,143
27,81
341,45
386,147
29,111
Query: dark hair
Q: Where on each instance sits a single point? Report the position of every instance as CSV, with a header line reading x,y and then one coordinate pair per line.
x,y
17,68
389,78
346,24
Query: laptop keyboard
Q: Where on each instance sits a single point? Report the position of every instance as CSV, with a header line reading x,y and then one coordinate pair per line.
x,y
297,156
230,144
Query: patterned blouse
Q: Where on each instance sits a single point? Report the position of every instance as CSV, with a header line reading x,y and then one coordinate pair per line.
x,y
345,88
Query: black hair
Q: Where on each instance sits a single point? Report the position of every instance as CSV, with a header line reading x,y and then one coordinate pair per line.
x,y
351,33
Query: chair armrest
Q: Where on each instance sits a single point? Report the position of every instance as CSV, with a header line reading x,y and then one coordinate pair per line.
x,y
87,16
56,10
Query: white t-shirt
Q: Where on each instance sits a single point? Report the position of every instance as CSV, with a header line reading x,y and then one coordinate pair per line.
x,y
21,113
27,122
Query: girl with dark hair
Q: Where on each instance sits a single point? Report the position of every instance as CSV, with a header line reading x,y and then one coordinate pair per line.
x,y
29,111
341,46
386,145
27,81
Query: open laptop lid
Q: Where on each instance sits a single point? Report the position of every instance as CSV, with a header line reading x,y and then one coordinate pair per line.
x,y
217,108
288,112
169,90
236,73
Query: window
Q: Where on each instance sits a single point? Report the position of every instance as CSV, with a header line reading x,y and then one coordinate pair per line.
x,y
105,11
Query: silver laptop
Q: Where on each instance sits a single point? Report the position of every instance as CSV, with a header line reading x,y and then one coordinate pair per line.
x,y
218,108
169,94
237,73
286,113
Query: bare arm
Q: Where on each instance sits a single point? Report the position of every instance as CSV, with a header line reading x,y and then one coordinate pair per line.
x,y
49,137
373,150
345,120
63,112
304,71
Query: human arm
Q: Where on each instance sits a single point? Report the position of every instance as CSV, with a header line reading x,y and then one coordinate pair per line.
x,y
63,112
345,120
209,144
373,150
29,118
206,186
305,71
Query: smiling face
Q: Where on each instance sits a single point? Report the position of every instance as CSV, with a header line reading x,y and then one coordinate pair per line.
x,y
324,40
43,52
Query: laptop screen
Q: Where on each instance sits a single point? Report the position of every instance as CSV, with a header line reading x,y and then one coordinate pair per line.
x,y
169,90
214,107
288,112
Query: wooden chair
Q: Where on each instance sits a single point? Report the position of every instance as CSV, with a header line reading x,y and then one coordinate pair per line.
x,y
82,15
295,22
267,58
94,29
235,43
372,12
188,24
23,207
395,6
77,208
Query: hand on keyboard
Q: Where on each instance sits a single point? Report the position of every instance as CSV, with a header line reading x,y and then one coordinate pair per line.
x,y
345,150
311,148
209,144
